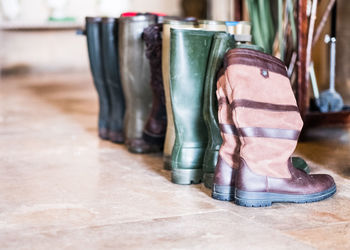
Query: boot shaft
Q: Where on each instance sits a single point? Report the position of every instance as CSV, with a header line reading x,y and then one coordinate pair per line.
x,y
94,44
170,130
112,74
93,27
221,43
109,42
189,53
135,73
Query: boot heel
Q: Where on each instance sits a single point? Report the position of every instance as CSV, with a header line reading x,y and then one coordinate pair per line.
x,y
251,199
223,193
208,180
186,176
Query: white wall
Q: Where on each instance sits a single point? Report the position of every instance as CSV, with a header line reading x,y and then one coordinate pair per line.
x,y
63,50
37,10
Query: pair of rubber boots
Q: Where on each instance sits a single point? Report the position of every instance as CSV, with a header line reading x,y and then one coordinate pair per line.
x,y
260,124
102,45
121,52
196,57
194,60
188,23
242,34
140,64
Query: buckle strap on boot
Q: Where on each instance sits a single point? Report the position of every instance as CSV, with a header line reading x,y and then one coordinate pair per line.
x,y
223,101
277,133
228,129
244,103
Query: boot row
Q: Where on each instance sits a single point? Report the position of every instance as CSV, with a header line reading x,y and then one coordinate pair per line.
x,y
130,93
255,112
172,80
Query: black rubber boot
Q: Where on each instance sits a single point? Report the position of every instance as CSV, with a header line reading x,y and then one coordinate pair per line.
x,y
112,78
93,35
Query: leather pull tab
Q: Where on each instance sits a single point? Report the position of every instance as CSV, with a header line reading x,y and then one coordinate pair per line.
x,y
264,73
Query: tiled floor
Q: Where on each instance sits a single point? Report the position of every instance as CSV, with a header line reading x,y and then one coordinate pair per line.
x,y
63,188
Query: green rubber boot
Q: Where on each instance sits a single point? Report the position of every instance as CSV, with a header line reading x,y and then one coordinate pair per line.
x,y
221,43
189,53
170,130
112,77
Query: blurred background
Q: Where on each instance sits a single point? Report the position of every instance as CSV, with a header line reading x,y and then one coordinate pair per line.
x,y
39,35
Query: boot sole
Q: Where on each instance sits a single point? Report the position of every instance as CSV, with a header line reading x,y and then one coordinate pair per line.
x,y
144,151
265,199
208,180
186,176
167,162
223,193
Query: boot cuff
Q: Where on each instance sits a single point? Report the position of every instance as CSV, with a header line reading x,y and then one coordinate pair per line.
x,y
109,20
138,18
90,19
255,58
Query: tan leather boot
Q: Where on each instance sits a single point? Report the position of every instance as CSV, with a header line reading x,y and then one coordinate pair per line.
x,y
268,123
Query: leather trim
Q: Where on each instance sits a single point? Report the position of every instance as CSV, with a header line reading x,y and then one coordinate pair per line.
x,y
228,129
255,58
222,101
90,19
262,105
220,73
288,134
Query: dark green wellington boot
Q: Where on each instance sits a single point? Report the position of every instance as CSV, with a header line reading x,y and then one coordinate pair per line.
x,y
93,35
189,53
135,75
222,42
170,130
112,76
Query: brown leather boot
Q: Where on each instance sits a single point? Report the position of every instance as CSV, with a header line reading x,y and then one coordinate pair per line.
x,y
154,131
268,123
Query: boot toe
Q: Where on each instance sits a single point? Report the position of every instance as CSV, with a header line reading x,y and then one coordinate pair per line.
x,y
116,137
324,182
103,133
139,146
